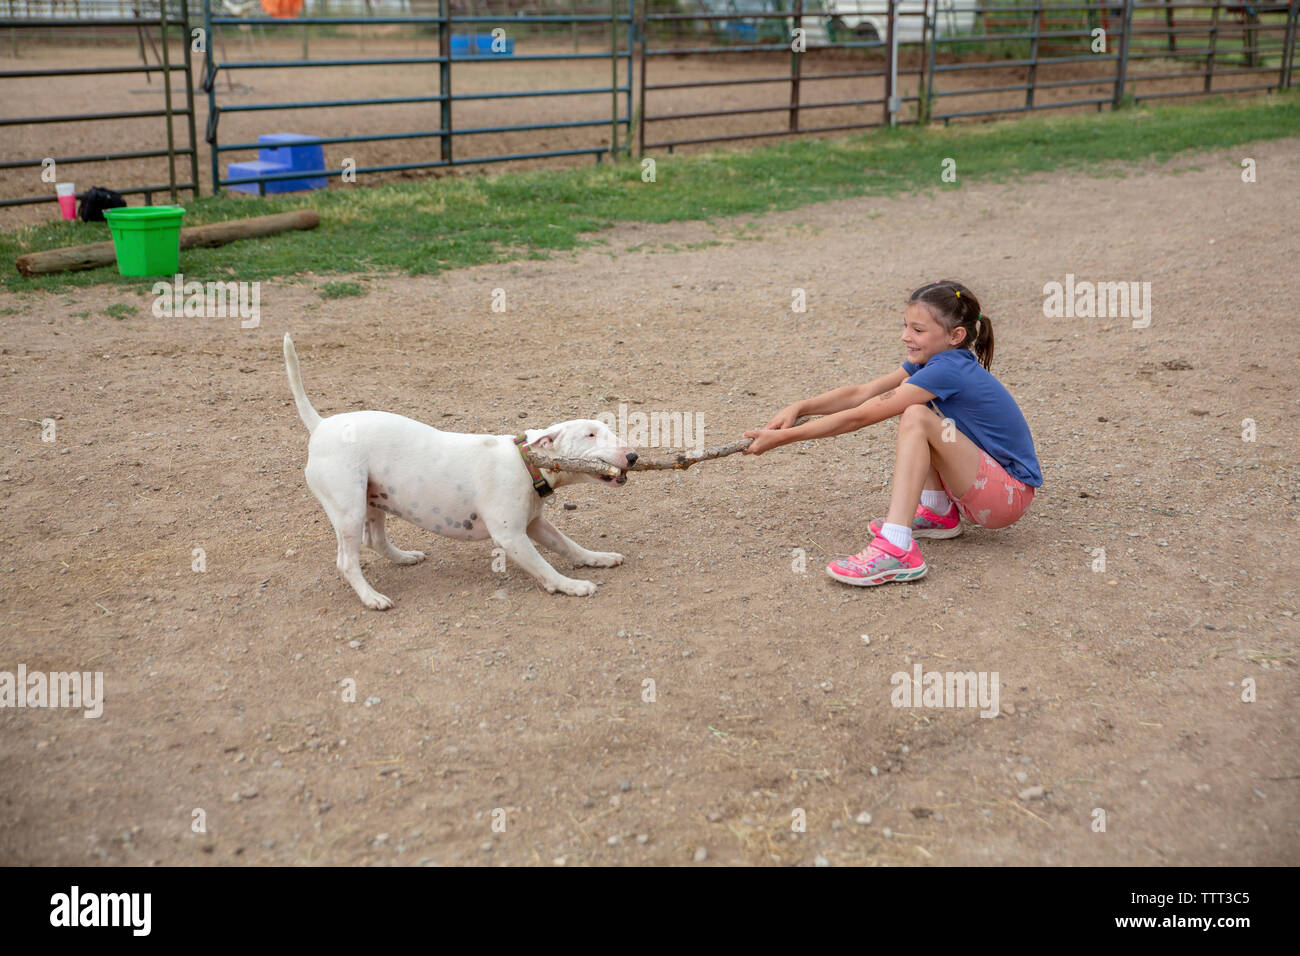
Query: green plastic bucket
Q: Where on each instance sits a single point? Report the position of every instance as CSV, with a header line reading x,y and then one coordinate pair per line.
x,y
147,239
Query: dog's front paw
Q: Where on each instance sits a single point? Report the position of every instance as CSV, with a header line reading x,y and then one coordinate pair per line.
x,y
573,586
377,601
408,557
603,559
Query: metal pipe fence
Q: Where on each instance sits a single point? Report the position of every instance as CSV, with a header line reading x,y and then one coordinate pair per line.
x,y
798,29
678,77
992,57
618,21
67,19
1118,51
813,42
1220,39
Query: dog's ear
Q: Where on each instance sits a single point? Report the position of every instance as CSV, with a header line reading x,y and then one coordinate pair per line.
x,y
547,438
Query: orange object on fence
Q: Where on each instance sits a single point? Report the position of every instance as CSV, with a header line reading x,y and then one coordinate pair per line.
x,y
285,9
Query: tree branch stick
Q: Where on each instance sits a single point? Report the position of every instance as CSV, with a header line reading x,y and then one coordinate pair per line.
x,y
676,461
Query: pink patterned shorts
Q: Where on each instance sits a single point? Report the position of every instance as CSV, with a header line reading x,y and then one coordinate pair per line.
x,y
995,499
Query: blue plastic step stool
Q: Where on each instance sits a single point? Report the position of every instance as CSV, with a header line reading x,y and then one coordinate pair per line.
x,y
280,155
478,44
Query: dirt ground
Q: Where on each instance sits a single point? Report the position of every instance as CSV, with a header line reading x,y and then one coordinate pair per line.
x,y
126,92
479,697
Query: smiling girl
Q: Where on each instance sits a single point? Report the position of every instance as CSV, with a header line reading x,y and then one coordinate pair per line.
x,y
964,448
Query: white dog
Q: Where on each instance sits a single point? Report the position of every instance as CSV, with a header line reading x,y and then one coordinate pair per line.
x,y
363,465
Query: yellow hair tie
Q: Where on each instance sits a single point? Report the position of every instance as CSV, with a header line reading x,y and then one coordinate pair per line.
x,y
957,294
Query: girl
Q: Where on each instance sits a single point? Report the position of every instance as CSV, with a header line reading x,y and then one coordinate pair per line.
x,y
967,455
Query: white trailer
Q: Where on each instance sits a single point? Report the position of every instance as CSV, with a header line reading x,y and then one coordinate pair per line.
x,y
869,19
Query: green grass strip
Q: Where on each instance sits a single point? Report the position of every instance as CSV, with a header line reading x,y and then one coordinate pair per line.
x,y
438,224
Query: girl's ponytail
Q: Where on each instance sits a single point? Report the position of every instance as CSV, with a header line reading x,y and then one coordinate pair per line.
x,y
983,342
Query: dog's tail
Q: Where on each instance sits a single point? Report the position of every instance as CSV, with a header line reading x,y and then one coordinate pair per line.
x,y
305,411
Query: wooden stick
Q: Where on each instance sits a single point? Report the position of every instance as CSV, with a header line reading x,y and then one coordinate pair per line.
x,y
677,461
74,258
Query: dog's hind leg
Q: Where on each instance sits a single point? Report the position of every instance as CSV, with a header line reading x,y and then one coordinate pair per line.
x,y
344,500
375,537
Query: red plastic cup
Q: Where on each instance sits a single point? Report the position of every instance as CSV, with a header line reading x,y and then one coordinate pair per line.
x,y
67,196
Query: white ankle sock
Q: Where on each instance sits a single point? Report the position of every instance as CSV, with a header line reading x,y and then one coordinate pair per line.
x,y
936,501
897,535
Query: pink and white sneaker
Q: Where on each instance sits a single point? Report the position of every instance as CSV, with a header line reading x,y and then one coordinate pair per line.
x,y
929,524
880,563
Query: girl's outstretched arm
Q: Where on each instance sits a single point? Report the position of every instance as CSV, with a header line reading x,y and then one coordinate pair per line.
x,y
838,399
873,410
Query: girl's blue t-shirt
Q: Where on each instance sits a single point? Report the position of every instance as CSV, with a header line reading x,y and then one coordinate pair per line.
x,y
981,408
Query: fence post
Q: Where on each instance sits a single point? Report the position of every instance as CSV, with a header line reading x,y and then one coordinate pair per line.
x,y
921,106
186,39
796,64
1288,47
891,75
932,22
631,48
210,81
1036,29
613,82
641,36
1121,64
1214,42
1250,37
444,81
167,96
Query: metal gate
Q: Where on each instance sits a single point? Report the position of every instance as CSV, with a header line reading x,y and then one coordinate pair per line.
x,y
617,92
164,22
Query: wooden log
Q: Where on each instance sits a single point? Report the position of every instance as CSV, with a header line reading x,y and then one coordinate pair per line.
x,y
676,461
95,254
220,233
71,259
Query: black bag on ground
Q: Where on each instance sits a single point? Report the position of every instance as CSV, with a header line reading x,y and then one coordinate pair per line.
x,y
95,200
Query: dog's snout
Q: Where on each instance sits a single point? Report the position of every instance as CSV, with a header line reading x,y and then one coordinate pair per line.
x,y
631,458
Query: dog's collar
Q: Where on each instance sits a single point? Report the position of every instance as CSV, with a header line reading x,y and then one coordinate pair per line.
x,y
540,484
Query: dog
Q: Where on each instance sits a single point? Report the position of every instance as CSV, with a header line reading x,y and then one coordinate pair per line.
x,y
363,466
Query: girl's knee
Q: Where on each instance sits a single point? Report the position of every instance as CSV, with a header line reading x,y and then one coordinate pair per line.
x,y
917,416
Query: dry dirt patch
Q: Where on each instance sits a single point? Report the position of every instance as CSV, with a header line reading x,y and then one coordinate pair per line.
x,y
1120,690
